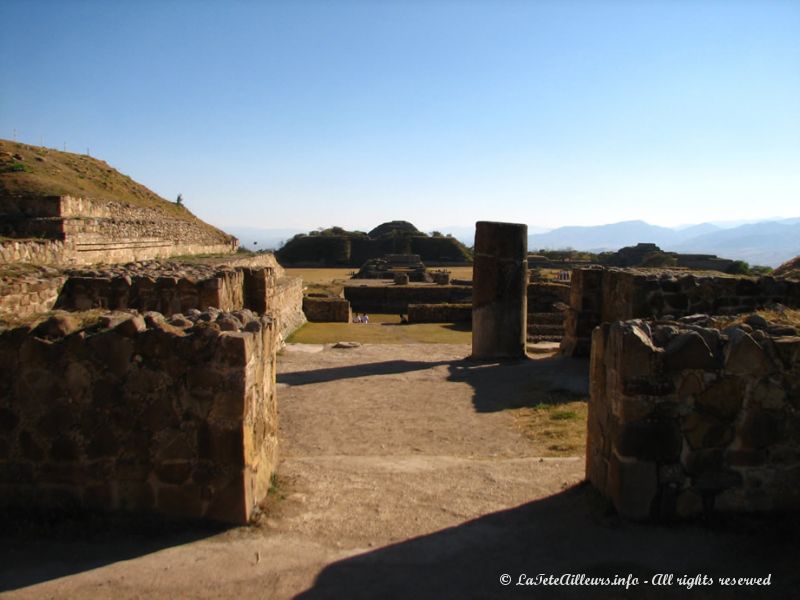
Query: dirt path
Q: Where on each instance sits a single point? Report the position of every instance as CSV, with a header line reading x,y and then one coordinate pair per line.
x,y
402,476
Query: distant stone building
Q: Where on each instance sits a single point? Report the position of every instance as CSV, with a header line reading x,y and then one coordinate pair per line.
x,y
390,266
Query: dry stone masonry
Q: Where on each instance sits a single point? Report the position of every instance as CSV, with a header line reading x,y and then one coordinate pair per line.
x,y
395,299
28,291
327,310
439,313
256,282
140,413
600,295
685,418
82,231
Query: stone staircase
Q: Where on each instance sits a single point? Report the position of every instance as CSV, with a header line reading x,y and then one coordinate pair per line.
x,y
545,327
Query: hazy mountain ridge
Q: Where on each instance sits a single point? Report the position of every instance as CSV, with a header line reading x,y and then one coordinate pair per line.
x,y
766,243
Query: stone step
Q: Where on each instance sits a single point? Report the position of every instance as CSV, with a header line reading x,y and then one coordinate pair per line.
x,y
535,328
546,318
534,339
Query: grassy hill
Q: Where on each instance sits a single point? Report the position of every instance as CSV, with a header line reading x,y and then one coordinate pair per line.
x,y
38,171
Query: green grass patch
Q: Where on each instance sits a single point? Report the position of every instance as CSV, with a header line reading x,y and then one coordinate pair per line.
x,y
383,329
555,428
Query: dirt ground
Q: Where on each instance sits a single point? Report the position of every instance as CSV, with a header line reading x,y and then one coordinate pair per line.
x,y
403,476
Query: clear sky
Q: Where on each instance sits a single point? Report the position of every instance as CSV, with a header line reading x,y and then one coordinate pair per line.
x,y
306,114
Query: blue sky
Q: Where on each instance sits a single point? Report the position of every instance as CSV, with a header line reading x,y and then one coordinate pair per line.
x,y
306,114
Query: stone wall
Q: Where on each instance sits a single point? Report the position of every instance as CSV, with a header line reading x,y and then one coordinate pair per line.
x,y
544,295
684,418
394,299
606,295
72,253
163,293
255,282
29,293
327,310
83,231
285,301
138,414
37,252
439,313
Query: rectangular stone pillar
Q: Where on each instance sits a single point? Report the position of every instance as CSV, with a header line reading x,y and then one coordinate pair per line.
x,y
499,290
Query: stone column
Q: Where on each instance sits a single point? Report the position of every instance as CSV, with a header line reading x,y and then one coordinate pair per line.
x,y
499,286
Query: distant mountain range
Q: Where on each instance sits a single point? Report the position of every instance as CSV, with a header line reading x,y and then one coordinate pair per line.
x,y
765,243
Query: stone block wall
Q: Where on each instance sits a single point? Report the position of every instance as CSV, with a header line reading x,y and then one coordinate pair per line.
x,y
685,419
394,299
83,231
30,293
439,313
139,414
37,252
164,294
327,310
285,301
605,295
255,283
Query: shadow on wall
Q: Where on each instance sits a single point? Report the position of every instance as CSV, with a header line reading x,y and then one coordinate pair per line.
x,y
568,533
497,385
34,549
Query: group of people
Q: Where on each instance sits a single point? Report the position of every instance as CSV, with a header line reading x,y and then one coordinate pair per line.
x,y
359,318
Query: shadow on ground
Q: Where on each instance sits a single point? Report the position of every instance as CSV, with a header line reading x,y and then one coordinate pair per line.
x,y
389,367
569,533
497,385
516,383
39,548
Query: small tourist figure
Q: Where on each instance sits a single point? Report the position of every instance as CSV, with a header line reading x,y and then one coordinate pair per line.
x,y
365,319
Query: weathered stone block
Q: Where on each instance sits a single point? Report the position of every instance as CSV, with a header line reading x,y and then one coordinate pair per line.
x,y
658,441
632,486
745,357
173,472
8,420
745,457
723,398
134,495
64,449
181,501
762,428
499,298
688,351
706,431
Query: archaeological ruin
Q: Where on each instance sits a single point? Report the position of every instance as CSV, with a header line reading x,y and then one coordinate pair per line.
x,y
500,298
136,375
685,418
338,247
138,351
